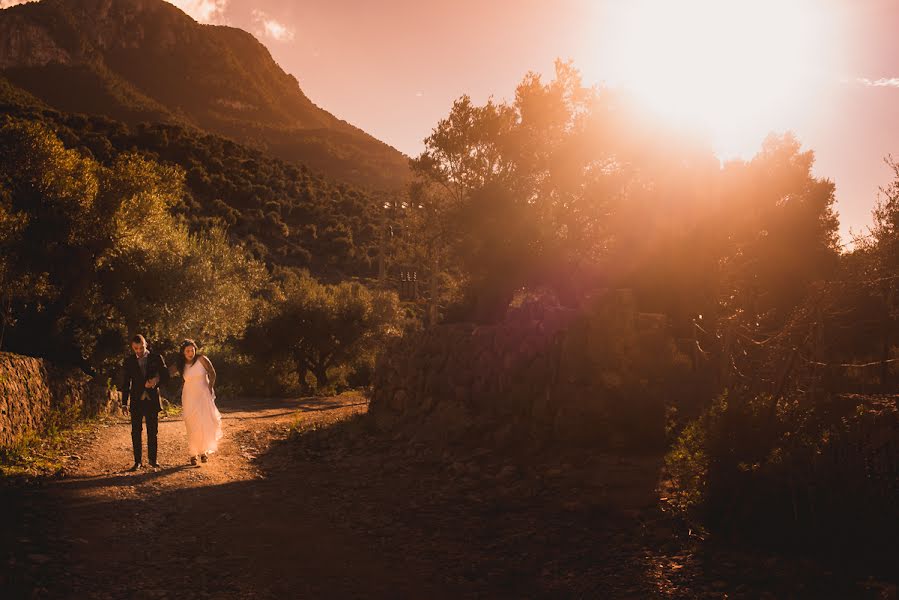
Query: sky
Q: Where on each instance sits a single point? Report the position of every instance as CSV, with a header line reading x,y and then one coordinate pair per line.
x,y
828,70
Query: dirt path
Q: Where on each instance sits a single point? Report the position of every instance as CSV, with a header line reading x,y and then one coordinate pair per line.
x,y
219,530
344,511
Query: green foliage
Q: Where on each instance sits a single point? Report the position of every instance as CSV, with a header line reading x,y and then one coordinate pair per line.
x,y
39,454
98,255
285,214
328,331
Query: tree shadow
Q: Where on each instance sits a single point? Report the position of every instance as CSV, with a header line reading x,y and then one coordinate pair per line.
x,y
261,538
346,510
488,522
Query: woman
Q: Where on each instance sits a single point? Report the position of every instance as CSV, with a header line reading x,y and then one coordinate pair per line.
x,y
201,417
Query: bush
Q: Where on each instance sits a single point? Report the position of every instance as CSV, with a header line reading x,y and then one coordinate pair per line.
x,y
789,470
329,334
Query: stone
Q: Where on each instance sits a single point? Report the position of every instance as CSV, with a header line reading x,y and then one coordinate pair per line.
x,y
31,387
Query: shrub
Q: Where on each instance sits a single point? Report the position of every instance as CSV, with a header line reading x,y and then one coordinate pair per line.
x,y
789,470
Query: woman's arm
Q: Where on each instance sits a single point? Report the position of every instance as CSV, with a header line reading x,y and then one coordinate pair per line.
x,y
209,369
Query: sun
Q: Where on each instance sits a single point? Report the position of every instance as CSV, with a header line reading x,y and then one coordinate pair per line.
x,y
732,69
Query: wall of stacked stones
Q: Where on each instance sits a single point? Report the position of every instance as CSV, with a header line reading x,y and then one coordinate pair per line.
x,y
583,375
31,388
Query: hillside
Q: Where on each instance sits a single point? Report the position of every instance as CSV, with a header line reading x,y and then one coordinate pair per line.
x,y
284,213
147,61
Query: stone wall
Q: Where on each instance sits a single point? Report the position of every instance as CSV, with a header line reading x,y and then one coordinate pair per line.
x,y
598,374
30,388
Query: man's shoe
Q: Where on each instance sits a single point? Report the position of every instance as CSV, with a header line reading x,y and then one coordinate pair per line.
x,y
204,458
155,464
193,460
135,467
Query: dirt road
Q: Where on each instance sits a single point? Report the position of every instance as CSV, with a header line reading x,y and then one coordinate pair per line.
x,y
341,510
219,530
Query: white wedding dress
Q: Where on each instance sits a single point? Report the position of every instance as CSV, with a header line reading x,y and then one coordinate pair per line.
x,y
201,417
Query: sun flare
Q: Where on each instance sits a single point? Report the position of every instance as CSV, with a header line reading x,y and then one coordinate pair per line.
x,y
733,69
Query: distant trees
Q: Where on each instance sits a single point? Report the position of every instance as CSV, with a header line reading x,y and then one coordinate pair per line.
x,y
280,205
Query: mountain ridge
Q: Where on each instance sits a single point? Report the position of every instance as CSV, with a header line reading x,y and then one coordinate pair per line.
x,y
146,60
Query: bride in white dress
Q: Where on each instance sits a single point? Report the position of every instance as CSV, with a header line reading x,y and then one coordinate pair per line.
x,y
201,417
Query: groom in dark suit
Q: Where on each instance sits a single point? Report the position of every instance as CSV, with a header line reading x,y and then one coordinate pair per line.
x,y
143,372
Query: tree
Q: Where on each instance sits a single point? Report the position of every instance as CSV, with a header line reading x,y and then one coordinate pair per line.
x,y
95,255
526,186
781,232
321,327
12,284
877,268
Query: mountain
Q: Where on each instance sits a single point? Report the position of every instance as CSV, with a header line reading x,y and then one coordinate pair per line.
x,y
147,61
283,213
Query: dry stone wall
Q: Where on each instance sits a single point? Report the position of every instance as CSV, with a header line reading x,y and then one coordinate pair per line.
x,y
598,374
30,388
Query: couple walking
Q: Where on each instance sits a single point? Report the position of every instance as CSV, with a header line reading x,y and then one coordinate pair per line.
x,y
144,372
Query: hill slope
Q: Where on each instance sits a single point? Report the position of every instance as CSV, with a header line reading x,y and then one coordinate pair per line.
x,y
147,61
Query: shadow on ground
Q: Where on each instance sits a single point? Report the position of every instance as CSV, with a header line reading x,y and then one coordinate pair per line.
x,y
340,510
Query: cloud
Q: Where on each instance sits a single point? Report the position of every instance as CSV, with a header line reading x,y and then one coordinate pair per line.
x,y
271,28
882,82
204,11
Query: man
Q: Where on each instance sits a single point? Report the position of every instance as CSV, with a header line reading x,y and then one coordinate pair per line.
x,y
143,372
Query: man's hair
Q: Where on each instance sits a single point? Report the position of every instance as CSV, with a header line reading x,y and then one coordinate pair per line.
x,y
139,339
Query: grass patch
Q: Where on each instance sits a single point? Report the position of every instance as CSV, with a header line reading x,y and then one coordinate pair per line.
x,y
43,454
170,410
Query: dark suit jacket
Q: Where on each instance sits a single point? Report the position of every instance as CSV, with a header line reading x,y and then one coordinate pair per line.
x,y
133,382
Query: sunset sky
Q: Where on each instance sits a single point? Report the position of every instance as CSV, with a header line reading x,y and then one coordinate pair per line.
x,y
393,67
826,69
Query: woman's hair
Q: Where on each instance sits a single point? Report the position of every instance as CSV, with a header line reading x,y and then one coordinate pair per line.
x,y
182,361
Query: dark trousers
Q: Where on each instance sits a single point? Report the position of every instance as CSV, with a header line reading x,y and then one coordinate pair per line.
x,y
138,414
